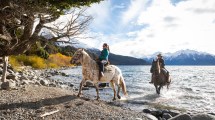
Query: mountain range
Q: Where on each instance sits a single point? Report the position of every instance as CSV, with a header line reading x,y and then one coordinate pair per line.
x,y
113,58
186,57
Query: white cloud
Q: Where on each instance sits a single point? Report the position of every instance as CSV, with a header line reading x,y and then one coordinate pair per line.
x,y
133,10
100,13
186,25
178,27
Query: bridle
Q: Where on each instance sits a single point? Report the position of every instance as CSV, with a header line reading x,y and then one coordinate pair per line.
x,y
77,56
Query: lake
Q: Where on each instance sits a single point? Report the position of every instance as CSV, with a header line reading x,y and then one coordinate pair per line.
x,y
192,88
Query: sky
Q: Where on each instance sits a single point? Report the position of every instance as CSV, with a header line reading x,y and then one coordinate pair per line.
x,y
139,28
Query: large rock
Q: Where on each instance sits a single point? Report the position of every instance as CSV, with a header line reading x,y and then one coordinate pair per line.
x,y
203,117
65,74
167,116
174,113
157,113
150,117
146,111
10,71
11,76
44,82
181,117
8,85
23,77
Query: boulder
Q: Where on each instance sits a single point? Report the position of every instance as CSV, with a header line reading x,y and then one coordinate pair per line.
x,y
44,82
150,117
23,77
146,111
71,85
10,71
167,116
181,117
203,117
52,84
11,76
8,85
212,114
174,113
157,113
25,82
64,74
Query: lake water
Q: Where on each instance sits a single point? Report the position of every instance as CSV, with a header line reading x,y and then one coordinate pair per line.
x,y
192,88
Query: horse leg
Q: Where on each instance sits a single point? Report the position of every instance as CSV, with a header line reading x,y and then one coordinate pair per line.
x,y
114,90
168,83
97,91
118,92
159,89
156,88
80,88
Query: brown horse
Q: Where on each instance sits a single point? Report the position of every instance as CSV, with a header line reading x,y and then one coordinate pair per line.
x,y
159,76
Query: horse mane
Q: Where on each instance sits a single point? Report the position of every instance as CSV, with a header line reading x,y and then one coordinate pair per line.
x,y
88,57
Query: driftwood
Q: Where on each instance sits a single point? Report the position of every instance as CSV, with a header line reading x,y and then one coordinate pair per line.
x,y
49,113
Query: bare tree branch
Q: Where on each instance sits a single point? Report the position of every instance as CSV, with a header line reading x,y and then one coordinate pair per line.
x,y
71,28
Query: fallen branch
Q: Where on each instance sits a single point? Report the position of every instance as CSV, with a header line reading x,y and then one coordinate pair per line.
x,y
49,113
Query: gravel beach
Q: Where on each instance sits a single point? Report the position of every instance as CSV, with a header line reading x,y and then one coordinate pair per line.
x,y
31,95
37,102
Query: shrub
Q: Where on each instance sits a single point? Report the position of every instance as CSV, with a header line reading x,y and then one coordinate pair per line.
x,y
14,63
54,61
34,61
59,59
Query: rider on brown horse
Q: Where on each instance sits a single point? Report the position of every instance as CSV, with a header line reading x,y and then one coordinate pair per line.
x,y
163,69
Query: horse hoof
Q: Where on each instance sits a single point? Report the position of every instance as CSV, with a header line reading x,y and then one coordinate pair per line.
x,y
114,99
78,95
119,96
97,98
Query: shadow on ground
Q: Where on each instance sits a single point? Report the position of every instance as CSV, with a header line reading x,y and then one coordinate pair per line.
x,y
38,104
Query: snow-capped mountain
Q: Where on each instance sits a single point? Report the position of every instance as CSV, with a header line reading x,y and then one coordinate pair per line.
x,y
186,57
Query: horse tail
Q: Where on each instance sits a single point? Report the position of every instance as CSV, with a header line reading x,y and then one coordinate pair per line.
x,y
122,82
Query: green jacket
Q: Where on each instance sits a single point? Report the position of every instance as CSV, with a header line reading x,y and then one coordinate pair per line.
x,y
104,54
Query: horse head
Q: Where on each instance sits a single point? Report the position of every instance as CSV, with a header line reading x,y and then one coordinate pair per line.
x,y
155,67
77,57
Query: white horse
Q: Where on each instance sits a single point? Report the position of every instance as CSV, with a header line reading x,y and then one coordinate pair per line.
x,y
90,71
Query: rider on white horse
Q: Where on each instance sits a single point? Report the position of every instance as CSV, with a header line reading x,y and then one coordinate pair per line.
x,y
103,59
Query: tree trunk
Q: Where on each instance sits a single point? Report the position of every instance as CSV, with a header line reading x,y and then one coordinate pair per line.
x,y
4,73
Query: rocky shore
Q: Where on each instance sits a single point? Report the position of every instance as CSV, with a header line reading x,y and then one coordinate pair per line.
x,y
30,94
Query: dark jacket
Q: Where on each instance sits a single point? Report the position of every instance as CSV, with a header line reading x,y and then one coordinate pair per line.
x,y
161,61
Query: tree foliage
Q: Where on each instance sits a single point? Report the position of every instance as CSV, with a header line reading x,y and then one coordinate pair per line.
x,y
22,21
